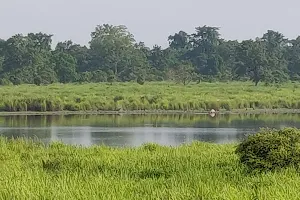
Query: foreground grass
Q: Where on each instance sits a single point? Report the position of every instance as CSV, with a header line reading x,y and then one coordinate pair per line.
x,y
196,171
151,96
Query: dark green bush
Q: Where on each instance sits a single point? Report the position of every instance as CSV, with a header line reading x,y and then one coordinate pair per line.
x,y
140,80
37,80
4,81
271,149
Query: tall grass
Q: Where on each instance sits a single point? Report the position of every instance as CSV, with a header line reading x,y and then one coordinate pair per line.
x,y
197,171
150,96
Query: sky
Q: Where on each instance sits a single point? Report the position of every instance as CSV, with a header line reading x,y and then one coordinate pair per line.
x,y
150,21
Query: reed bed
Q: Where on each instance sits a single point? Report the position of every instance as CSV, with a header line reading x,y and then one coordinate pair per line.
x,y
148,97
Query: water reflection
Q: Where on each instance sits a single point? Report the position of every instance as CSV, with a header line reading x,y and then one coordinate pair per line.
x,y
134,130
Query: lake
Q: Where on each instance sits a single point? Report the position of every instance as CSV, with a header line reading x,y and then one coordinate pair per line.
x,y
135,130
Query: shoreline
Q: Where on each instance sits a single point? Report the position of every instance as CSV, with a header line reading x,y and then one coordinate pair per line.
x,y
154,112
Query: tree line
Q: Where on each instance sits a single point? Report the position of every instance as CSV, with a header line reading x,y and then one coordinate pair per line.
x,y
113,55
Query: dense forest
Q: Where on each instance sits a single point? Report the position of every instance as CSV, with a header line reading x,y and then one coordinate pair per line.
x,y
113,55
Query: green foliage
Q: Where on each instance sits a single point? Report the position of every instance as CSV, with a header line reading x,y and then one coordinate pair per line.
x,y
85,77
271,149
15,80
113,55
184,73
65,67
37,80
180,40
149,97
5,81
98,76
140,80
111,78
114,49
194,171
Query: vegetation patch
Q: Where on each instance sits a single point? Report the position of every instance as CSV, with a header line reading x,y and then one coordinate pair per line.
x,y
31,170
271,149
152,96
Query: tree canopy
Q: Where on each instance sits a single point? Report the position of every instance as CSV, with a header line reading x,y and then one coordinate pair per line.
x,y
113,55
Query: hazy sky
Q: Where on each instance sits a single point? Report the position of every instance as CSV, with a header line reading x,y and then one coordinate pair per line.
x,y
151,21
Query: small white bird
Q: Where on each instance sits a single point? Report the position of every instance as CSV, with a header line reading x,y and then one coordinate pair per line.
x,y
212,113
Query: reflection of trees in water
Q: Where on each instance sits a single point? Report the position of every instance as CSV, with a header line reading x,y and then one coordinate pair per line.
x,y
154,120
227,135
28,121
158,128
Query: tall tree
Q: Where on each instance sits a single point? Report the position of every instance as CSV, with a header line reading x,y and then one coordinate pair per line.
x,y
252,60
162,60
227,51
65,67
111,47
180,40
16,53
2,46
40,41
204,52
276,45
292,55
26,57
81,53
184,73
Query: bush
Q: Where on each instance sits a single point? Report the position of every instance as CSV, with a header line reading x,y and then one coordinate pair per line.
x,y
37,80
140,80
271,149
4,81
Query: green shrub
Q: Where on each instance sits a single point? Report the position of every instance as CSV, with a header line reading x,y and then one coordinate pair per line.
x,y
140,80
4,81
271,149
118,98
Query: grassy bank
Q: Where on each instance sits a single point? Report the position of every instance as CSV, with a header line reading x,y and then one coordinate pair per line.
x,y
196,171
151,97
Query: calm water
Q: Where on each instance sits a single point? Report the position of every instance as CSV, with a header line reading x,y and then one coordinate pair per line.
x,y
134,130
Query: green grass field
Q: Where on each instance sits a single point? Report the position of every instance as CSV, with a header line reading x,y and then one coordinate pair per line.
x,y
151,96
196,171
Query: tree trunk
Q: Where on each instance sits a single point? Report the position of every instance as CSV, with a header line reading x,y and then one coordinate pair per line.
x,y
256,76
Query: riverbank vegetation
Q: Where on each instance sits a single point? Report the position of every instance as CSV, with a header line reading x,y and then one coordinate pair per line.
x,y
197,71
152,96
113,55
30,170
